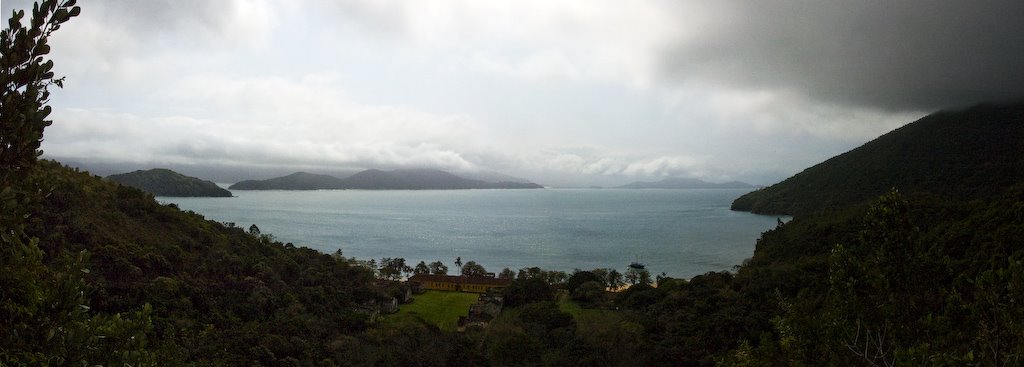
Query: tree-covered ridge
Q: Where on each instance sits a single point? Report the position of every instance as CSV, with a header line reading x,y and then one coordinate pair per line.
x,y
215,292
907,280
973,153
372,179
164,182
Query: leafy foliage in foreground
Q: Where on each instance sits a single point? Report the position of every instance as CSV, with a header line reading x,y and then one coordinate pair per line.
x,y
910,281
45,319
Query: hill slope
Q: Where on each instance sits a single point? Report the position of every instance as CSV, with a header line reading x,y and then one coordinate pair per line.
x,y
956,154
219,296
404,179
164,182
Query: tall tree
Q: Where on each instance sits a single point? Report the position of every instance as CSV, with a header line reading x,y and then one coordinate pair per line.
x,y
26,75
421,268
438,268
471,268
638,276
579,277
614,279
46,320
532,273
556,276
506,273
602,275
392,268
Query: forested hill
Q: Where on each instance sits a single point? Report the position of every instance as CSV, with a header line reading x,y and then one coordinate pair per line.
x,y
164,182
403,179
217,295
905,251
973,153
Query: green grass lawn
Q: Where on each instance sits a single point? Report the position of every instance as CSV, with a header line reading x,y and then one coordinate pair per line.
x,y
440,308
567,305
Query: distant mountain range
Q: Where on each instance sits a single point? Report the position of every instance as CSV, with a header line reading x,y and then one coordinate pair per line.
x,y
164,182
372,179
686,183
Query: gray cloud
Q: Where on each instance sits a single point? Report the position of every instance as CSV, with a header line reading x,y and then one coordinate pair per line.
x,y
588,92
893,55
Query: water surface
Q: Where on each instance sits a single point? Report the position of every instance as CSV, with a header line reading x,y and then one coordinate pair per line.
x,y
680,232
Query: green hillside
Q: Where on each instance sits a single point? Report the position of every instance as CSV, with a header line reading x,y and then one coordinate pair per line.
x,y
215,292
164,182
973,153
905,251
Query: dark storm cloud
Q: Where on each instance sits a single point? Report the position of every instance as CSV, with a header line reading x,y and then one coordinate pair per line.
x,y
893,55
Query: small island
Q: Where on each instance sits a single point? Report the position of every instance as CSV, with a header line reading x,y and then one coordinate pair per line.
x,y
164,182
373,179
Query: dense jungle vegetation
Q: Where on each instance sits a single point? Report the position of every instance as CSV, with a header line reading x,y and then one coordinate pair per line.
x,y
927,271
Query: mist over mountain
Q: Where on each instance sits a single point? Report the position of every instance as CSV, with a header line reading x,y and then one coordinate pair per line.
x,y
373,179
686,183
489,176
222,173
294,181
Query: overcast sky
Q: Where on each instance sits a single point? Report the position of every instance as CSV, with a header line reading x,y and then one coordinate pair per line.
x,y
560,92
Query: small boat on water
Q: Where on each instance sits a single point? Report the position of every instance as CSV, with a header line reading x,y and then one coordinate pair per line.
x,y
636,264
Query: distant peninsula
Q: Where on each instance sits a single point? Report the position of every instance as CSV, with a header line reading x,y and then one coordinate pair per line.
x,y
686,183
373,179
164,182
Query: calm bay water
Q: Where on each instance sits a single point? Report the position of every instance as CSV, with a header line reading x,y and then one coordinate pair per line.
x,y
680,232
